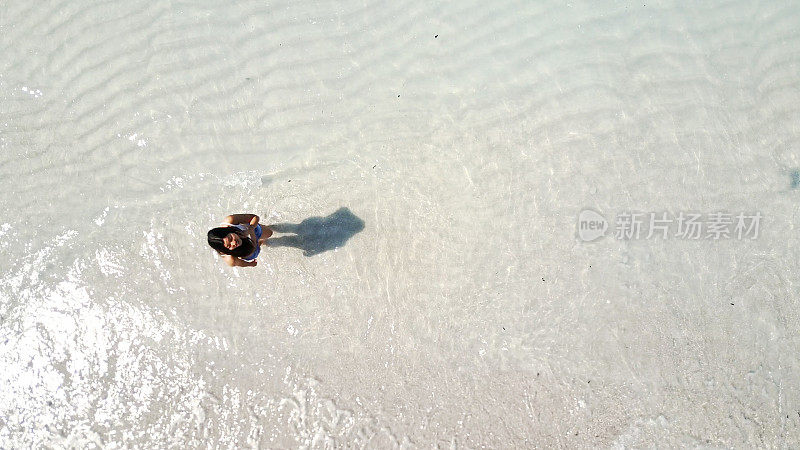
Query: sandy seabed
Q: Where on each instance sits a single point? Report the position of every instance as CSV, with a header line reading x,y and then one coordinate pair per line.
x,y
435,158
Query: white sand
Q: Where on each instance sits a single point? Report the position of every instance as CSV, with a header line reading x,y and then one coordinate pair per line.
x,y
467,136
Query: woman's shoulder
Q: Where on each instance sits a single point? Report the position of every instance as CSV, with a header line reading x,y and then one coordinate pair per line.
x,y
238,225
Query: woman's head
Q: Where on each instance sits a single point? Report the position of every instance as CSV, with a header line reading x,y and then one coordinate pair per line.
x,y
231,241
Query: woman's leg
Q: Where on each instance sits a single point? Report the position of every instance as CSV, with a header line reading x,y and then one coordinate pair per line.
x,y
266,232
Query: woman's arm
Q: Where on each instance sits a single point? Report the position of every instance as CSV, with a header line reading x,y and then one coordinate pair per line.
x,y
236,262
236,219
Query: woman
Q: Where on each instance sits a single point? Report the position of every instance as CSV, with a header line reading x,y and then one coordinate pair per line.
x,y
239,240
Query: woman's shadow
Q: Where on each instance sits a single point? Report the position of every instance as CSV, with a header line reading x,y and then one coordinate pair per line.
x,y
318,234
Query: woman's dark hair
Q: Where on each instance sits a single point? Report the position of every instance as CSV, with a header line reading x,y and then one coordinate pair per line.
x,y
216,235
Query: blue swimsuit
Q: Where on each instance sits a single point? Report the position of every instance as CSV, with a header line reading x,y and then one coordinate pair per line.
x,y
254,255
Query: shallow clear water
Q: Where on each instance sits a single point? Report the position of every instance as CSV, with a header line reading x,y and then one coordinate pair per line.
x,y
467,137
